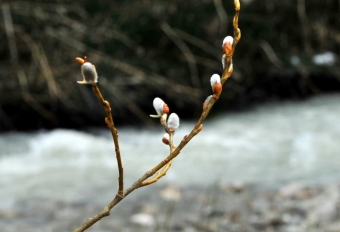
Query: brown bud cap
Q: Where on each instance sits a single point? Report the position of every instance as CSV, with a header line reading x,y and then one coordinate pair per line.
x,y
165,109
227,49
227,45
217,89
80,60
166,138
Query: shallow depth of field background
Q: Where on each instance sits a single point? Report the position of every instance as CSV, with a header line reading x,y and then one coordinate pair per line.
x,y
276,122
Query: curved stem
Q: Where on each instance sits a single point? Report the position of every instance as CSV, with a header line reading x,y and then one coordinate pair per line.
x,y
114,132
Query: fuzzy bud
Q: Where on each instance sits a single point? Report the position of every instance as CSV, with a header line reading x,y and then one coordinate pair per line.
x,y
206,102
166,138
173,122
216,85
215,78
223,61
160,107
89,73
227,45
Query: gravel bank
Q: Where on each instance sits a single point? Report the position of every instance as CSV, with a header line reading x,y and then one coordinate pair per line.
x,y
236,207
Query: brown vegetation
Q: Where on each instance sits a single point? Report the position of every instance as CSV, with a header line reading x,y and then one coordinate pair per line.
x,y
156,48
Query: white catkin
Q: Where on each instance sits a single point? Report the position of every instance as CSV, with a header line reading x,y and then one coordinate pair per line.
x,y
228,39
158,105
173,121
89,73
215,78
223,61
166,136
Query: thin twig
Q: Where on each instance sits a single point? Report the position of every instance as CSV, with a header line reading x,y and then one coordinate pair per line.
x,y
40,55
80,27
130,104
207,62
13,51
222,14
40,58
186,51
237,36
198,43
114,132
168,163
271,54
301,7
156,81
22,79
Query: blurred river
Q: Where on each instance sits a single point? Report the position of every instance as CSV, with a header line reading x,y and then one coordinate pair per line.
x,y
269,144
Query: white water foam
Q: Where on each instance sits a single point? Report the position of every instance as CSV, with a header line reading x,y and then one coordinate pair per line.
x,y
268,144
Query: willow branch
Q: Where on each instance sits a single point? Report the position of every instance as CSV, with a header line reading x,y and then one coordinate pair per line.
x,y
186,52
114,132
158,175
174,151
237,36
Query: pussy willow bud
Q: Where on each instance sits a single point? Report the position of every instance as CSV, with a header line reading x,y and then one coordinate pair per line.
x,y
223,61
227,45
173,122
206,102
166,138
89,73
216,85
160,107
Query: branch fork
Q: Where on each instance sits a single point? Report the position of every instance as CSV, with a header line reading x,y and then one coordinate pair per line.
x,y
170,124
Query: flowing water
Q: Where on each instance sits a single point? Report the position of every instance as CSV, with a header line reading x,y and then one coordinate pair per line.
x,y
266,144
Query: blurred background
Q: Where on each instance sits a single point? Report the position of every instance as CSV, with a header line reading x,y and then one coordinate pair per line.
x,y
267,159
144,49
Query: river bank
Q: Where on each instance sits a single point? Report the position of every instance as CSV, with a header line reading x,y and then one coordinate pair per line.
x,y
235,207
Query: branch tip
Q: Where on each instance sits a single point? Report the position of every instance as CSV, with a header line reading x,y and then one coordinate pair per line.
x,y
237,5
